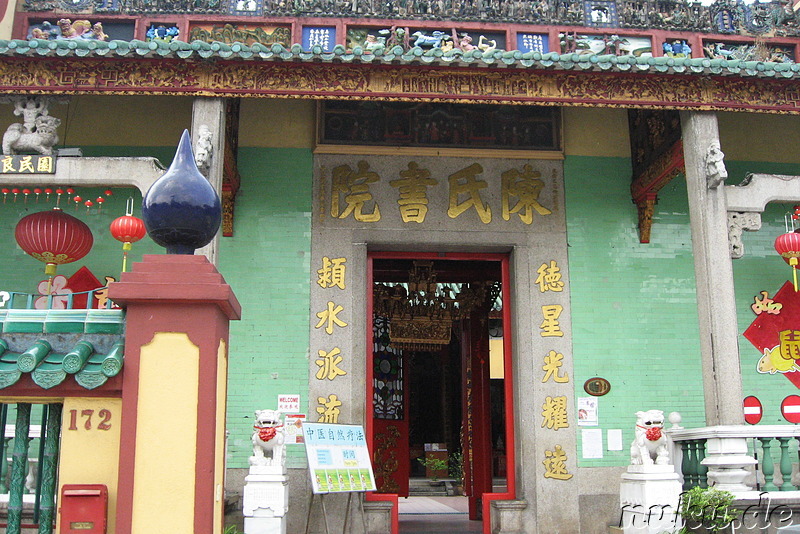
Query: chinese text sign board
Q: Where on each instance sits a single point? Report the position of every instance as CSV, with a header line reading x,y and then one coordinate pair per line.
x,y
338,458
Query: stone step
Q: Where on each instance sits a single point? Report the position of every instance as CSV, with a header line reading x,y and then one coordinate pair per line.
x,y
428,488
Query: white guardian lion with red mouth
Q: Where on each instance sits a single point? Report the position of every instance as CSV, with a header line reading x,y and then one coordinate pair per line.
x,y
268,439
650,444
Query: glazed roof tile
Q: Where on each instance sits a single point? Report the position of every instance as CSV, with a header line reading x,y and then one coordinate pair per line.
x,y
50,345
399,56
48,368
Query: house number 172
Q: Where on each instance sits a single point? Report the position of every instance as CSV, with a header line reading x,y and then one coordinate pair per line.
x,y
87,416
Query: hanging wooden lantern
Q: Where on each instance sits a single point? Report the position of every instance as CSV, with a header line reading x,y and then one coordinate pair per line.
x,y
54,238
127,229
788,246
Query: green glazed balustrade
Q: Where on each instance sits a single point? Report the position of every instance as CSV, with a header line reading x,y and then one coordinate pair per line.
x,y
62,321
21,511
773,452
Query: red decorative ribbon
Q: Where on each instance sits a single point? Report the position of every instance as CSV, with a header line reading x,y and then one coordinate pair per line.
x,y
266,433
653,433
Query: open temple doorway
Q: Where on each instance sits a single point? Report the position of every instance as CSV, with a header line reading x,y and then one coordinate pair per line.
x,y
439,387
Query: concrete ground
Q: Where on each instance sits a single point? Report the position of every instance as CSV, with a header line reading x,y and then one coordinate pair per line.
x,y
436,515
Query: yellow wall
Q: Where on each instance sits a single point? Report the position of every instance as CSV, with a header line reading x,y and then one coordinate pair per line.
x,y
596,132
7,20
166,436
98,120
92,120
743,136
123,120
278,123
91,456
759,137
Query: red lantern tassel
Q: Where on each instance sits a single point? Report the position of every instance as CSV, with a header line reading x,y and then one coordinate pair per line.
x,y
793,263
126,246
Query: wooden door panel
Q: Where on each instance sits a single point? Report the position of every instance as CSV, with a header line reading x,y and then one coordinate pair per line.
x,y
390,460
390,414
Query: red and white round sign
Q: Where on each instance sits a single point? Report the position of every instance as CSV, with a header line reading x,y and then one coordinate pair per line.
x,y
790,408
752,410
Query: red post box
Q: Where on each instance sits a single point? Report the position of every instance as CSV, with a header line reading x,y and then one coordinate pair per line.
x,y
83,508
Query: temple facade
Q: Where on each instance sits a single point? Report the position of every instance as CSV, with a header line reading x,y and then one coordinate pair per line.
x,y
489,232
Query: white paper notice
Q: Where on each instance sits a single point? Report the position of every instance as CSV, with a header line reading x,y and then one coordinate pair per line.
x,y
592,439
587,411
615,439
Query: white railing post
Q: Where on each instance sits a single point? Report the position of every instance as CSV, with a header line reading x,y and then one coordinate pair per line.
x,y
728,463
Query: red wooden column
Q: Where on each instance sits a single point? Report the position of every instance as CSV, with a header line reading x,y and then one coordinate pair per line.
x,y
477,408
178,309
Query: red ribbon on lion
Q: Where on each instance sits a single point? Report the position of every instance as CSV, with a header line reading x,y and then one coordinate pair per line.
x,y
266,433
653,434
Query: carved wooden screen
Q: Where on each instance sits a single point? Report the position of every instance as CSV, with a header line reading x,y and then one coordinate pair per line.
x,y
445,125
391,457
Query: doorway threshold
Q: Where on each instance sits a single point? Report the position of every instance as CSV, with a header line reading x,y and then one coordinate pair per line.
x,y
456,505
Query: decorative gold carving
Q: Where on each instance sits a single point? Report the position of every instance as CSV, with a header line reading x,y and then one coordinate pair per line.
x,y
385,460
421,334
645,187
646,207
242,33
228,205
228,78
421,312
659,173
230,169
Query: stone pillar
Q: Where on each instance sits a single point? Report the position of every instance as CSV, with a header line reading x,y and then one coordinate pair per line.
x,y
265,500
729,463
716,305
171,468
649,498
208,117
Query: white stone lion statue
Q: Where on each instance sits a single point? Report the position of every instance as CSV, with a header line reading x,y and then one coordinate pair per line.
x,y
17,139
649,445
268,439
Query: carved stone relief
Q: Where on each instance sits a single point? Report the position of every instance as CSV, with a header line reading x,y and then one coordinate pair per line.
x,y
739,221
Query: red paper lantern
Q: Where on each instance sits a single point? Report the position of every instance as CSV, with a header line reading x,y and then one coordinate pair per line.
x,y
127,229
788,246
54,238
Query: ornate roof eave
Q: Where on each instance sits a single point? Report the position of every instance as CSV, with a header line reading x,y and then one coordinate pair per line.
x,y
511,77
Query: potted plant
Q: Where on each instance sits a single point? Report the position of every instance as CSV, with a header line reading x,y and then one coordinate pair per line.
x,y
435,466
707,510
456,471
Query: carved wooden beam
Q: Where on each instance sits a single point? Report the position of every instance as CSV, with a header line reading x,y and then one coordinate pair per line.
x,y
413,83
646,185
230,170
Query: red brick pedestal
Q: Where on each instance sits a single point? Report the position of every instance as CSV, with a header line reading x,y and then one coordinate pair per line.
x,y
178,309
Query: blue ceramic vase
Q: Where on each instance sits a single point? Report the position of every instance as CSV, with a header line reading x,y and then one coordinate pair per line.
x,y
181,210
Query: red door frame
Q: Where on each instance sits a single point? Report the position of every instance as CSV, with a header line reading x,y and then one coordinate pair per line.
x,y
508,382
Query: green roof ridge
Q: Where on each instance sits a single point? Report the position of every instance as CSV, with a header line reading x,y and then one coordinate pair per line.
x,y
509,58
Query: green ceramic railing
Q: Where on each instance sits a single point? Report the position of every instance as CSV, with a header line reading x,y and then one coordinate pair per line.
x,y
44,502
769,451
25,301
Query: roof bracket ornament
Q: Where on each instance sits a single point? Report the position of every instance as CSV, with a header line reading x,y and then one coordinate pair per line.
x,y
716,173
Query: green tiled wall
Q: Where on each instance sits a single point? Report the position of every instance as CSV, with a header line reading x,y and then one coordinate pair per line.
x,y
761,269
634,317
267,263
634,305
20,272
